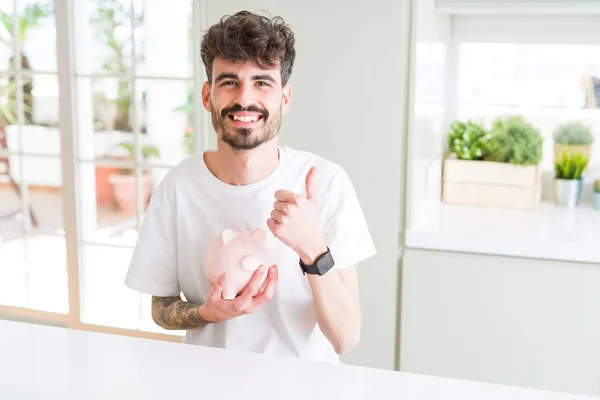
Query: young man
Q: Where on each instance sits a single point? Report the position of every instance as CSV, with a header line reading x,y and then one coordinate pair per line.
x,y
316,231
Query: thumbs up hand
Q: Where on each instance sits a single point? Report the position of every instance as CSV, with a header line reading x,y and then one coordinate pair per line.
x,y
294,220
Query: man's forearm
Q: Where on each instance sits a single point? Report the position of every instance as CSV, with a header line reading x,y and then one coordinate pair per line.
x,y
173,313
338,312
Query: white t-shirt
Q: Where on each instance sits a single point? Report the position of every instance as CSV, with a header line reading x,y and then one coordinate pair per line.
x,y
191,207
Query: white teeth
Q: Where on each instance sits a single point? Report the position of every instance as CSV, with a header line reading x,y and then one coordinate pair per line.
x,y
246,118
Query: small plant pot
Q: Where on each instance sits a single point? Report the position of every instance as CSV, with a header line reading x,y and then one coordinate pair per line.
x,y
567,192
124,191
104,189
597,200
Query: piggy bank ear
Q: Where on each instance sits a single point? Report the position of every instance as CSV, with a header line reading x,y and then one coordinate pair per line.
x,y
227,235
259,234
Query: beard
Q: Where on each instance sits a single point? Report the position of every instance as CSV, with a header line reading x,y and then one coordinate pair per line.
x,y
245,138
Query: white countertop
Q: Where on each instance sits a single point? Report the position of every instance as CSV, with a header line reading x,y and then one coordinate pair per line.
x,y
547,232
40,362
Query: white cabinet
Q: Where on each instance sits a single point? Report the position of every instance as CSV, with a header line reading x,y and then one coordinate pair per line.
x,y
522,322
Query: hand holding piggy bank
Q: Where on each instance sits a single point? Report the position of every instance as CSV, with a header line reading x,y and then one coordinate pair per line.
x,y
238,255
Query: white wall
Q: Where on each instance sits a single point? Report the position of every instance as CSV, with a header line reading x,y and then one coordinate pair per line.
x,y
505,320
348,106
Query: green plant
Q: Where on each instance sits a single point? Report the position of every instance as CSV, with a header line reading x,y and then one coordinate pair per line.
x,y
147,151
514,140
29,17
573,133
467,140
597,186
570,166
8,105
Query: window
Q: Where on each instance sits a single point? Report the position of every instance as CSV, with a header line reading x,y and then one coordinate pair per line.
x,y
134,89
33,272
545,68
549,84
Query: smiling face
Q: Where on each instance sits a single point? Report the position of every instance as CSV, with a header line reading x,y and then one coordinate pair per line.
x,y
246,103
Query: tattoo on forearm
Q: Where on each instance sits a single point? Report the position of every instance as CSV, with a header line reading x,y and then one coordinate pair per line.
x,y
174,313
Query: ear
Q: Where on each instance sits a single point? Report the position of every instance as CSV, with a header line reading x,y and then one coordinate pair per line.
x,y
227,235
259,234
206,96
286,99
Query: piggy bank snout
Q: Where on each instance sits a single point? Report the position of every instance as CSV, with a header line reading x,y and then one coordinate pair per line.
x,y
250,263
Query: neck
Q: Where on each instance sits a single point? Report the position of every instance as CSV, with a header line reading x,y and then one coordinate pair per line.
x,y
242,167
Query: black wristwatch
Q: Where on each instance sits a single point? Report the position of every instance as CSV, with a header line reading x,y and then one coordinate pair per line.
x,y
322,264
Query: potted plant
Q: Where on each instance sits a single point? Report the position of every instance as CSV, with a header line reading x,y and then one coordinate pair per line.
x,y
568,182
467,140
597,194
498,168
573,137
515,141
123,180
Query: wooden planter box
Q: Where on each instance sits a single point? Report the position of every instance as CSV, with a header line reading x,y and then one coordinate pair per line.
x,y
493,184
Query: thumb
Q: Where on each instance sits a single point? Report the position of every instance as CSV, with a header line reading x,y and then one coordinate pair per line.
x,y
311,184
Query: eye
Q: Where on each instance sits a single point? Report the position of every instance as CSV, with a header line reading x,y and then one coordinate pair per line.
x,y
262,83
228,83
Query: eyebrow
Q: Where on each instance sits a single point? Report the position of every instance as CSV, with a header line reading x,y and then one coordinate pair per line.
x,y
263,77
225,75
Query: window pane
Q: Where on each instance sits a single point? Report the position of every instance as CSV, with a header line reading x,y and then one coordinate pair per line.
x,y
167,119
112,108
47,288
108,46
106,120
547,84
36,22
164,52
105,298
12,269
11,215
33,272
108,197
40,134
108,201
43,198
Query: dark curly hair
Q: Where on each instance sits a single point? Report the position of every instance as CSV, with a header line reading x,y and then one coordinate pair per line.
x,y
245,36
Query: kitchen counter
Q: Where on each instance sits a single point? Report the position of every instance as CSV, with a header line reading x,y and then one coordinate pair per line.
x,y
547,232
42,362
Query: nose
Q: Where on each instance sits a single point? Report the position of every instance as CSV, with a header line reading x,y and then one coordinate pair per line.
x,y
245,95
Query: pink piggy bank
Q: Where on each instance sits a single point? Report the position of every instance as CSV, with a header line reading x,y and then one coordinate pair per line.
x,y
237,254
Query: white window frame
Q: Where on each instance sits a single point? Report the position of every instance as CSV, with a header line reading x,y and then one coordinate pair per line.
x,y
66,27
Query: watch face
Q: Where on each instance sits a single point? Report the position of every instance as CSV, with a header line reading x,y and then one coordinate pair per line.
x,y
325,263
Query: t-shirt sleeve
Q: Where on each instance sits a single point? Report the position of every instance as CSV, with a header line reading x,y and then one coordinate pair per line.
x,y
346,230
153,266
